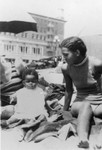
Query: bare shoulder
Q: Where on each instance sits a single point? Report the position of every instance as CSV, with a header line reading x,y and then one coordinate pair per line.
x,y
64,67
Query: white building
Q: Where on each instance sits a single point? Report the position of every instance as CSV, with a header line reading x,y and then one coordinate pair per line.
x,y
12,46
31,45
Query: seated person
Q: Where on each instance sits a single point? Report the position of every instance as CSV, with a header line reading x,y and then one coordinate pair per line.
x,y
30,99
85,73
11,80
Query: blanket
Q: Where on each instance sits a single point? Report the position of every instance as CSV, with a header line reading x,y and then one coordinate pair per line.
x,y
62,126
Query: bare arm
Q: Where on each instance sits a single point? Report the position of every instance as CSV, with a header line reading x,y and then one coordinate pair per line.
x,y
69,89
98,71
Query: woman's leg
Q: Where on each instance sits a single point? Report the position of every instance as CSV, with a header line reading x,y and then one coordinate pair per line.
x,y
84,120
98,113
84,112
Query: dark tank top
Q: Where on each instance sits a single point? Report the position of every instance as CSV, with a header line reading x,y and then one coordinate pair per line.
x,y
85,76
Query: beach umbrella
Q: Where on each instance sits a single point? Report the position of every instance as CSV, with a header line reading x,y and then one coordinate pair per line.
x,y
16,20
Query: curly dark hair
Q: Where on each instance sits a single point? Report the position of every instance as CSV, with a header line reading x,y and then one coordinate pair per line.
x,y
74,43
30,71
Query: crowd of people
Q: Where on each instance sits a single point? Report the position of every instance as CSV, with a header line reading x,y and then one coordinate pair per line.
x,y
20,88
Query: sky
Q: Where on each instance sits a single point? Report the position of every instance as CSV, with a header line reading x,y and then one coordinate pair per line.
x,y
84,17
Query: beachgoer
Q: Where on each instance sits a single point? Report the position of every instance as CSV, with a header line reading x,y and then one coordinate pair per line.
x,y
30,99
84,73
11,80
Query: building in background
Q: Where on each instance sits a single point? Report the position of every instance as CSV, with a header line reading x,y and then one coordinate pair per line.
x,y
34,45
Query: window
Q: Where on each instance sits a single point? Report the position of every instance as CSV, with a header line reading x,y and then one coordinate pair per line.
x,y
48,36
26,35
22,35
32,36
37,36
9,48
22,49
33,50
44,38
40,37
12,47
26,49
38,50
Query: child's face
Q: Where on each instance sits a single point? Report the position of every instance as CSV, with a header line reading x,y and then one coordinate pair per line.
x,y
30,82
69,56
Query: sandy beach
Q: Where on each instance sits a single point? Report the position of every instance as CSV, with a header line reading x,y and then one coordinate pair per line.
x,y
51,75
